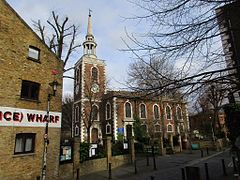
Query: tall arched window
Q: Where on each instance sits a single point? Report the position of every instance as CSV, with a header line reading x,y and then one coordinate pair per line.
x,y
94,74
108,111
156,112
179,113
77,76
142,111
128,110
168,112
94,113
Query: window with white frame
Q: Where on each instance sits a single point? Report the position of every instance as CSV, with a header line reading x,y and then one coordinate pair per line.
x,y
108,129
143,111
108,111
24,143
168,112
94,74
128,110
76,130
77,114
179,113
34,53
169,128
94,113
156,113
181,128
77,76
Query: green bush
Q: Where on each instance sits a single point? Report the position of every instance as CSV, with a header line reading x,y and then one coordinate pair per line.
x,y
117,148
84,151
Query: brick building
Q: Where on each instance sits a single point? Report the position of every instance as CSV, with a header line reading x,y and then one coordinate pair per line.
x,y
27,66
98,112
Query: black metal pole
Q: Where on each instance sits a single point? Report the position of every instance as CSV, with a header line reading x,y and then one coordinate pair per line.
x,y
206,171
201,153
109,171
183,173
224,168
207,151
147,157
135,166
152,177
154,160
234,164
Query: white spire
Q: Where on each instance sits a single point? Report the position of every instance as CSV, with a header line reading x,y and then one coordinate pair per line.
x,y
89,29
89,46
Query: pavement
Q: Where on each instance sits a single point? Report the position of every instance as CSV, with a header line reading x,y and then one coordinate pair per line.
x,y
170,167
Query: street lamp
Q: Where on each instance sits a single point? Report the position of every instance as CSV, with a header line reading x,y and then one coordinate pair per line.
x,y
54,85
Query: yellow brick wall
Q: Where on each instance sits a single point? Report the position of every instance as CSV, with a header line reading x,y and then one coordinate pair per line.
x,y
15,38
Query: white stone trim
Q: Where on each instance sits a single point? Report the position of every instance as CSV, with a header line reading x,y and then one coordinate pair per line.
x,y
110,109
179,107
169,124
115,124
159,113
95,66
128,118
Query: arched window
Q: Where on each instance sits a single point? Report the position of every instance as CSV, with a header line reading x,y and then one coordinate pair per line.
x,y
168,112
157,128
76,130
108,111
156,112
76,114
179,113
94,74
128,110
94,113
169,128
142,111
108,129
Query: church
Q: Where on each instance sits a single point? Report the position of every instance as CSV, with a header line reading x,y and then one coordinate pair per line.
x,y
99,112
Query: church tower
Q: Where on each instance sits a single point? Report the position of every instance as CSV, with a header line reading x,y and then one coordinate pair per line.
x,y
89,87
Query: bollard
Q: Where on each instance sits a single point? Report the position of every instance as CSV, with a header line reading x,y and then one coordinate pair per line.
x,y
154,160
201,153
206,171
207,151
234,165
77,174
38,177
152,177
109,171
183,173
135,166
147,158
224,168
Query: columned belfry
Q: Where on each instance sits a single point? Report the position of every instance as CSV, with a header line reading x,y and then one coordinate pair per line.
x,y
89,46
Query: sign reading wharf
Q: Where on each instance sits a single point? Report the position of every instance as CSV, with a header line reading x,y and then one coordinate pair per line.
x,y
28,118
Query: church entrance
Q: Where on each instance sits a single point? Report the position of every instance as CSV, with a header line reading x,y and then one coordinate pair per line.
x,y
94,135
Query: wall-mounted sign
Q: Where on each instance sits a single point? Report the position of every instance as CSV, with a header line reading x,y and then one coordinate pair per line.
x,y
28,118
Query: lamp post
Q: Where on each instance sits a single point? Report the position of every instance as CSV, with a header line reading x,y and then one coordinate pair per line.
x,y
54,85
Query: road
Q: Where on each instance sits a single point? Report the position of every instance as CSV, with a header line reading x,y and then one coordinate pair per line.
x,y
169,167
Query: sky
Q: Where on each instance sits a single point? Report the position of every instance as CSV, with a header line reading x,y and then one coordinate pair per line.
x,y
109,25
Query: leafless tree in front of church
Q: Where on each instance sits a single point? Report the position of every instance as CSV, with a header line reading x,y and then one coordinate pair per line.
x,y
186,33
60,36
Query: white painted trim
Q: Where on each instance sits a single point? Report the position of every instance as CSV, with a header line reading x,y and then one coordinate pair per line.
x,y
169,124
110,109
170,111
125,110
115,124
159,113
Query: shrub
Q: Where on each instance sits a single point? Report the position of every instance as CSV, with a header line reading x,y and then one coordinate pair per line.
x,y
84,151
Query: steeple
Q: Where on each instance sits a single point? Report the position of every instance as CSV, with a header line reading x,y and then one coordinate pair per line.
x,y
89,45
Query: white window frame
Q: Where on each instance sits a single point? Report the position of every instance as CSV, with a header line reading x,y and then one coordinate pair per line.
x,y
170,112
76,130
145,109
106,113
168,126
34,53
158,112
130,109
77,114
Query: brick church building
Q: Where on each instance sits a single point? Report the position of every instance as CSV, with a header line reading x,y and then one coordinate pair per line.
x,y
99,112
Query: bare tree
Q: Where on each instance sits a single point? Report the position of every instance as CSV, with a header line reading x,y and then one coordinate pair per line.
x,y
188,32
60,37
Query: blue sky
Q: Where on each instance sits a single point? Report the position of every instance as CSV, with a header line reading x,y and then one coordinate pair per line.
x,y
108,27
